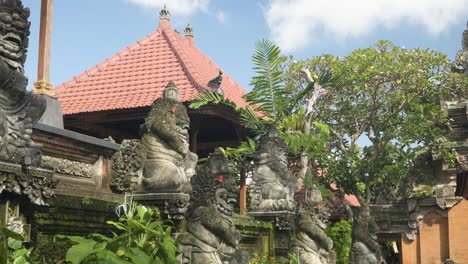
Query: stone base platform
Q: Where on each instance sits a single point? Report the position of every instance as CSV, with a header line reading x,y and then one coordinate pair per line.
x,y
284,228
174,205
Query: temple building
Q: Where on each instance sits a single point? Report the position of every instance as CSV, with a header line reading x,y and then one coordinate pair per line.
x,y
112,98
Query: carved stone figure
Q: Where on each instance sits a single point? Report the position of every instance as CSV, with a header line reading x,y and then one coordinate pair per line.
x,y
161,161
211,237
273,186
461,59
365,248
19,109
311,244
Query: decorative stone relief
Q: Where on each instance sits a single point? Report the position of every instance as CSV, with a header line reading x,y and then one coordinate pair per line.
x,y
445,197
273,186
36,184
69,167
161,161
211,236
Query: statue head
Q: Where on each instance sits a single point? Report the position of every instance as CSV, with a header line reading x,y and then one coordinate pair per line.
x,y
273,151
14,32
214,183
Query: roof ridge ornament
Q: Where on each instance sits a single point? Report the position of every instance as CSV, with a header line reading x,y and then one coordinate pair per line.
x,y
164,14
188,31
215,83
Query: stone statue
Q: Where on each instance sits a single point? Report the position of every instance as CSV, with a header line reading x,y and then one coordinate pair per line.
x,y
211,237
273,186
365,248
19,109
161,161
461,58
311,244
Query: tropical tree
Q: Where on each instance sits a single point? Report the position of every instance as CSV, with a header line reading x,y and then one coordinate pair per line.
x,y
382,109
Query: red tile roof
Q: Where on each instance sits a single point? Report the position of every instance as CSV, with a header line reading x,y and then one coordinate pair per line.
x,y
137,75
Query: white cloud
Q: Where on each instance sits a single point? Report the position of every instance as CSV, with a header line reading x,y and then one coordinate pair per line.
x,y
221,16
296,23
183,7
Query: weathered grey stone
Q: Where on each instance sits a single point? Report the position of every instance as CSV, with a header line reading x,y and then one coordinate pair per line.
x,y
211,237
365,248
161,161
53,113
311,244
273,186
461,58
19,109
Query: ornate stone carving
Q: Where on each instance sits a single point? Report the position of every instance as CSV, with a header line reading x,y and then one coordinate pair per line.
x,y
161,161
365,248
445,197
127,164
211,237
19,109
164,14
69,167
273,187
311,244
37,184
188,31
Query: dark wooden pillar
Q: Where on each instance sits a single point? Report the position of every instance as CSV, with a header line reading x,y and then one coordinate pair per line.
x,y
45,39
243,192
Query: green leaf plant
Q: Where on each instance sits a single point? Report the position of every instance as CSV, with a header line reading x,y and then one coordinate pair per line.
x,y
141,238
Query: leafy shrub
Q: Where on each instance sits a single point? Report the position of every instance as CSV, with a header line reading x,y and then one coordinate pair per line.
x,y
340,233
12,249
143,239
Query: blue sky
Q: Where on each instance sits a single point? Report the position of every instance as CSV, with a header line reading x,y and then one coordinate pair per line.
x,y
85,32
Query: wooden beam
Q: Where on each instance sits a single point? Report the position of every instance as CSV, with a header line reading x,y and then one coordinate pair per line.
x,y
45,39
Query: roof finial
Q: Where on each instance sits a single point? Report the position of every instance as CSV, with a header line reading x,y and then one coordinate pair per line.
x,y
188,31
164,14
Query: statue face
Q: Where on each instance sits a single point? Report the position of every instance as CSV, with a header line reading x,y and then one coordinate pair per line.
x,y
14,31
225,201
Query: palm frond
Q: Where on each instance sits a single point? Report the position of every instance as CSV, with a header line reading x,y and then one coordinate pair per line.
x,y
207,97
268,87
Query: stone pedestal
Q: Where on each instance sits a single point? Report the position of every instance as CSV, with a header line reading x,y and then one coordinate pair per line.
x,y
53,113
283,222
174,205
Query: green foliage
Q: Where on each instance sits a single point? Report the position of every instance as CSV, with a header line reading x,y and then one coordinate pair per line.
x,y
268,93
207,97
389,96
14,251
340,233
143,238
